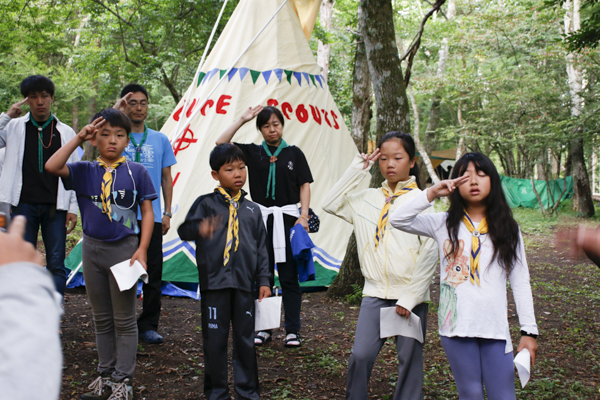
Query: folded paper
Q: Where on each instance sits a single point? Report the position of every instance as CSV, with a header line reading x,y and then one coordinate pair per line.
x,y
392,324
127,276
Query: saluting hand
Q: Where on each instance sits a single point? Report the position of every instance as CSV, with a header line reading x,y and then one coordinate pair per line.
x,y
251,112
209,225
374,156
122,102
89,131
15,110
445,187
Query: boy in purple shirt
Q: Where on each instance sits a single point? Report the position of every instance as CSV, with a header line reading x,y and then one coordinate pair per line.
x,y
109,191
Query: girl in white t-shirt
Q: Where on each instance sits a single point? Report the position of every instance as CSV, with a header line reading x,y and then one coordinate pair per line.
x,y
480,246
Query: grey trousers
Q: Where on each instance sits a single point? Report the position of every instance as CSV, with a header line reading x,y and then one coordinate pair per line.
x,y
367,345
114,311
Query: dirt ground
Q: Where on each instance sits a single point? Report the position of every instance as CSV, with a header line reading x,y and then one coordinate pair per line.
x,y
567,301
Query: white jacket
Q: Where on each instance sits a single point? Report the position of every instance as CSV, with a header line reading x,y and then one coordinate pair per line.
x,y
402,266
12,136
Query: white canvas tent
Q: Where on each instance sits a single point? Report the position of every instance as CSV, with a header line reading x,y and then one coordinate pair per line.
x,y
279,69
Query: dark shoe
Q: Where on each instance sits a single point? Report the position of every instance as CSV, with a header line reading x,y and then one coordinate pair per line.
x,y
122,390
151,337
293,340
262,338
100,389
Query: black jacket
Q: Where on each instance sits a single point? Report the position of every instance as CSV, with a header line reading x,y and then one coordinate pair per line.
x,y
248,264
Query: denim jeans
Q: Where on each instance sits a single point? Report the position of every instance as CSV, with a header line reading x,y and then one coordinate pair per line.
x,y
54,235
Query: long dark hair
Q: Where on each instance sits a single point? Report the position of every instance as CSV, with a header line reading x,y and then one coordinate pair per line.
x,y
409,146
502,227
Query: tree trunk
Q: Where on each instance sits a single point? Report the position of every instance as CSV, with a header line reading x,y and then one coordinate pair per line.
x,y
391,102
361,100
582,193
326,14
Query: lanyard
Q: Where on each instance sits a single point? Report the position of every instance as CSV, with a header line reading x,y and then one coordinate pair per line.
x,y
138,147
41,145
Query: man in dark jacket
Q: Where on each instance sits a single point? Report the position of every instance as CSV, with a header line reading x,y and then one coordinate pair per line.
x,y
231,254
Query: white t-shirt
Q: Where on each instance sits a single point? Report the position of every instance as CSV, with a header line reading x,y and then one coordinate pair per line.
x,y
467,309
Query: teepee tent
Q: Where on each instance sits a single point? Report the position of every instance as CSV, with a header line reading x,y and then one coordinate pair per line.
x,y
245,68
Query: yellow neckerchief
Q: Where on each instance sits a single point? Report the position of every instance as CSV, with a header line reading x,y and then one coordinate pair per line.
x,y
385,211
233,226
475,245
107,184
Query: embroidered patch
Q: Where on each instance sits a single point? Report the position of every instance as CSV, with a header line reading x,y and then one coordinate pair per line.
x,y
291,166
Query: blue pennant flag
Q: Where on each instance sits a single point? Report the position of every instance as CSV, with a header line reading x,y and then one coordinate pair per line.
x,y
307,78
318,78
231,74
298,76
243,72
212,73
267,75
278,74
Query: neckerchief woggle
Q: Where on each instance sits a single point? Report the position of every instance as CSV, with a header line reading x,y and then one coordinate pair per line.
x,y
40,142
233,226
385,211
475,245
272,168
138,147
107,179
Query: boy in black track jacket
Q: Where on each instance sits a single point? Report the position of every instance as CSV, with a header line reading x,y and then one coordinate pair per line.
x,y
231,254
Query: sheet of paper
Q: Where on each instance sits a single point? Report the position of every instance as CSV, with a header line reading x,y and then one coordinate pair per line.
x,y
127,276
268,313
523,364
391,324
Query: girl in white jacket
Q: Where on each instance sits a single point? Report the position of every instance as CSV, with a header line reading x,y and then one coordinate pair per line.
x,y
398,267
480,246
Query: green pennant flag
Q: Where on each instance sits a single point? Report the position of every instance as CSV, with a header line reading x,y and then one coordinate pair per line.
x,y
222,72
289,75
200,77
255,75
312,78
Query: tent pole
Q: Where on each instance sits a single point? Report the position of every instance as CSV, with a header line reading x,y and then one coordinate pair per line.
x,y
196,110
201,64
73,273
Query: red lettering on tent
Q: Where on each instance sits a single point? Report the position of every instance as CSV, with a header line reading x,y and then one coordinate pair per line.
x,y
177,146
272,103
222,102
175,179
335,124
208,103
190,108
316,114
326,118
286,107
301,113
177,114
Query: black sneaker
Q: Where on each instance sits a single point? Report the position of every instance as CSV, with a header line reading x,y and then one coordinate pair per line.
x,y
100,389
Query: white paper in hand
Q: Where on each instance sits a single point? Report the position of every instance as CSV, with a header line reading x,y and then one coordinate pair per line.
x,y
127,276
392,324
523,364
268,313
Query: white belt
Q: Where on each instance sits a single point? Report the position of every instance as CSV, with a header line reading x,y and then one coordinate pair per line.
x,y
278,228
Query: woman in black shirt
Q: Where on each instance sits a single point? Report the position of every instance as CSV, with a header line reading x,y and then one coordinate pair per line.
x,y
279,179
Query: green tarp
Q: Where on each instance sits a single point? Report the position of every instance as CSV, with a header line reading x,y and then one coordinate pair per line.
x,y
519,192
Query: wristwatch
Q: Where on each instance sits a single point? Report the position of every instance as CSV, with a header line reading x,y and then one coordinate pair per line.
x,y
524,333
166,214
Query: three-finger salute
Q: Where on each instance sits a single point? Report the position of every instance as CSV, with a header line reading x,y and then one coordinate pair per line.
x,y
15,110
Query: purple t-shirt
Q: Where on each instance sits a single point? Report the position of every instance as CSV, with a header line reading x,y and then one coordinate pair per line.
x,y
127,192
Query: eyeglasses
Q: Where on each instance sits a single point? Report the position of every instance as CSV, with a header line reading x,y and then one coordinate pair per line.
x,y
135,103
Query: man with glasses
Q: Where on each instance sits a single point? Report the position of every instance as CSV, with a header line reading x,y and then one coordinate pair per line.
x,y
153,150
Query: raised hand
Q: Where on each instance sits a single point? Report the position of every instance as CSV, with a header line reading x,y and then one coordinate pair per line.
x,y
13,248
209,225
445,187
89,131
122,102
374,156
251,112
15,110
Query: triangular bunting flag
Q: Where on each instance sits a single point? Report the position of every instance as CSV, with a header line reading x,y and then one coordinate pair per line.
x,y
222,72
231,74
298,76
318,78
306,77
201,77
312,78
212,73
267,75
243,72
255,75
278,73
289,75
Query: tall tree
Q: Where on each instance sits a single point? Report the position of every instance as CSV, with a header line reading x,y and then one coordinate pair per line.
x,y
326,17
361,94
582,193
